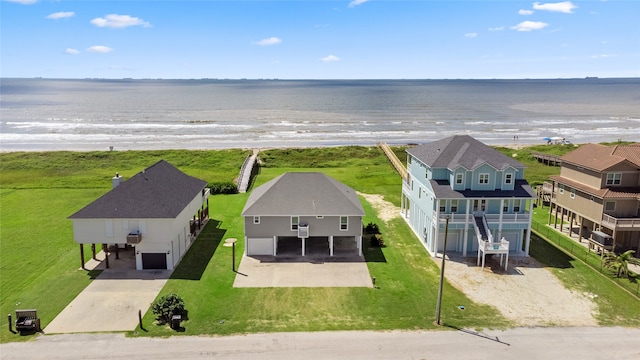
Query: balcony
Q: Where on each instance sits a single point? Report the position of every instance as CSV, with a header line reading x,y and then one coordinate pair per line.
x,y
620,223
491,218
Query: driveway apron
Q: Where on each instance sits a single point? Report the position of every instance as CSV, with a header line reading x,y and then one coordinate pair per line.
x,y
112,301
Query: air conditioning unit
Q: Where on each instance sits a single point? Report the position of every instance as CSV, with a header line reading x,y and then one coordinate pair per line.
x,y
134,238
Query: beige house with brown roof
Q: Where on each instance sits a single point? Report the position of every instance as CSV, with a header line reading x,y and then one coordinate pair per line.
x,y
598,189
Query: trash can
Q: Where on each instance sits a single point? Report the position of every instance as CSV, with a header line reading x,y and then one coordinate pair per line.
x,y
175,321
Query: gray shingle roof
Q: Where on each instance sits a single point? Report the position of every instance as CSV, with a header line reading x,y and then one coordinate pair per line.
x,y
303,194
160,191
461,150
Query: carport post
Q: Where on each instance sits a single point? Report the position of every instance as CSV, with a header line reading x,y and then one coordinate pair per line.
x,y
9,317
82,257
106,255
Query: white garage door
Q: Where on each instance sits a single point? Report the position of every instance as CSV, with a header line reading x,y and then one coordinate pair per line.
x,y
260,246
452,241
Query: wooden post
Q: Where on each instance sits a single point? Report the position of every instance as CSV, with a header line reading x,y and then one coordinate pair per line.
x,y
140,319
106,255
581,232
561,218
93,251
9,317
82,257
117,252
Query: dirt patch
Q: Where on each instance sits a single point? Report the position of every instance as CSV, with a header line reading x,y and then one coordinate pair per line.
x,y
386,210
526,293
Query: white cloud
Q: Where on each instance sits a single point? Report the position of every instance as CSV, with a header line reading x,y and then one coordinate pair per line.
x,y
355,3
61,15
330,58
499,28
119,21
23,2
563,7
71,51
525,12
602,56
471,35
530,25
99,49
269,41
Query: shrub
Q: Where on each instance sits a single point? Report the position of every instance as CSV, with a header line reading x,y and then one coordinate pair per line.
x,y
372,228
167,306
223,188
377,240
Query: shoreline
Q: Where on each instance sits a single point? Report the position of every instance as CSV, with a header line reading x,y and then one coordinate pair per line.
x,y
31,148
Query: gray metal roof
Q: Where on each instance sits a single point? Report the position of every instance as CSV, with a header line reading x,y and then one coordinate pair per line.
x,y
303,194
160,191
461,150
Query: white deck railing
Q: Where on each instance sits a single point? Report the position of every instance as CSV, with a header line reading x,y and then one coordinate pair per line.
x,y
614,222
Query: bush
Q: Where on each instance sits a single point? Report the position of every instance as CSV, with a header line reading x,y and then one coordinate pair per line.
x,y
372,228
223,188
167,306
377,240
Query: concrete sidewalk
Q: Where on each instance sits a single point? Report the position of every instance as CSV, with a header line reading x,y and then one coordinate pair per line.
x,y
270,271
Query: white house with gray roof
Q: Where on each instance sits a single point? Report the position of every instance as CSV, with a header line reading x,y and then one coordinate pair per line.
x,y
155,211
307,209
482,191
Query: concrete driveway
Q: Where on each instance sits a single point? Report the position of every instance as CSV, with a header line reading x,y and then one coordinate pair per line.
x,y
112,301
302,271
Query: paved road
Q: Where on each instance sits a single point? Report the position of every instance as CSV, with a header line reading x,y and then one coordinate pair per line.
x,y
520,343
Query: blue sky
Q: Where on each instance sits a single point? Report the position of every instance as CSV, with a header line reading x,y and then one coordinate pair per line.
x,y
358,39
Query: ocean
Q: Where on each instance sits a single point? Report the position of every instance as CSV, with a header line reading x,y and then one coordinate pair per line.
x,y
127,114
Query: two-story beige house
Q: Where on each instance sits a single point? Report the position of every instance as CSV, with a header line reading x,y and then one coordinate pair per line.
x,y
599,189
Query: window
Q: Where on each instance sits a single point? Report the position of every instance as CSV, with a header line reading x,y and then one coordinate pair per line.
x,y
516,205
454,206
484,179
614,178
344,222
443,205
610,206
409,159
561,189
459,179
256,219
508,179
411,184
294,223
505,206
572,193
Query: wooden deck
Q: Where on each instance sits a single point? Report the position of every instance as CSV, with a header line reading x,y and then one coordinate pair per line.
x,y
550,160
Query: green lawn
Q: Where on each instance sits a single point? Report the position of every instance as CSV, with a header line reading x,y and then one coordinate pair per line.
x,y
39,262
405,296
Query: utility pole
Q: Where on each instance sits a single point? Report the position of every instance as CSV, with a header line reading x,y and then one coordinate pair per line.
x,y
444,253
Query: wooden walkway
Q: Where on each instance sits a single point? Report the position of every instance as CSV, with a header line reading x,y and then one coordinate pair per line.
x,y
246,171
397,164
547,159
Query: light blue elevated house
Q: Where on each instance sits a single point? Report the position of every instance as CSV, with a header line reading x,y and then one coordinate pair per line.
x,y
480,190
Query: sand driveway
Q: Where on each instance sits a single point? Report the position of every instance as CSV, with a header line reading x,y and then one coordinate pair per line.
x,y
528,294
